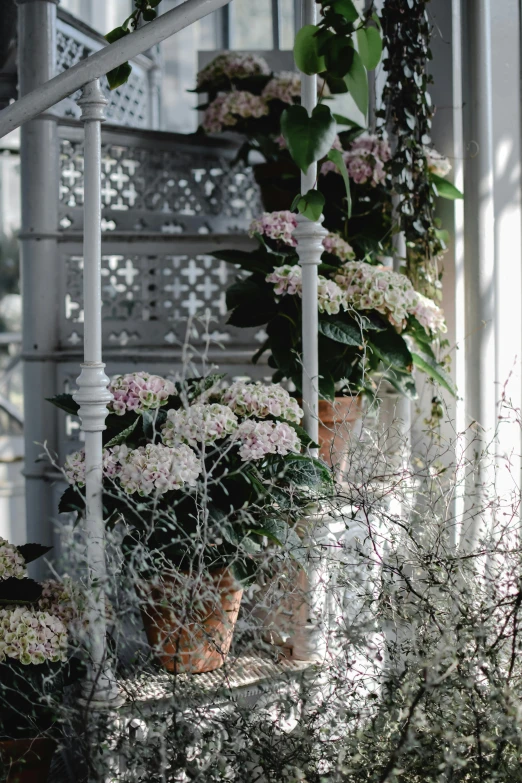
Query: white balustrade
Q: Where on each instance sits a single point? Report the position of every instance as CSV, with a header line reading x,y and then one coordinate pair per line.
x,y
92,397
309,642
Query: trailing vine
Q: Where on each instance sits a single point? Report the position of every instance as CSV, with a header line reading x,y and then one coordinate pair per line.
x,y
408,112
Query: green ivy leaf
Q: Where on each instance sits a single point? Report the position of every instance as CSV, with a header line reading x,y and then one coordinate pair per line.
x,y
119,76
149,14
434,371
336,157
357,82
342,120
306,53
339,56
445,189
347,9
311,205
369,44
340,332
308,138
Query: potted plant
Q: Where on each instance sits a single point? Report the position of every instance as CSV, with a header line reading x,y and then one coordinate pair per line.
x,y
372,323
200,476
244,96
34,664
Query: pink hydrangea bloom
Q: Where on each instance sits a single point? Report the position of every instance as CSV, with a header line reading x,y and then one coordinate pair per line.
x,y
364,160
139,391
287,279
261,400
232,65
259,438
330,297
278,226
225,110
286,86
337,246
200,423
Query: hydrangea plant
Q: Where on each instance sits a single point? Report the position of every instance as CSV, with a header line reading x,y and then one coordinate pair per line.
x,y
232,455
372,323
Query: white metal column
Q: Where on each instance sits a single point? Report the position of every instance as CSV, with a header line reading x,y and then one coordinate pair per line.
x,y
309,642
92,397
309,235
39,174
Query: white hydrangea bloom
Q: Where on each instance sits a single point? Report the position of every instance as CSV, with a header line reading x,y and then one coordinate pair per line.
x,y
262,400
430,315
31,636
12,564
437,164
157,469
201,423
259,438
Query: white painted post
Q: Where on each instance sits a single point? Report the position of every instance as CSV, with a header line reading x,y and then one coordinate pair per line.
x,y
309,235
39,256
92,397
308,642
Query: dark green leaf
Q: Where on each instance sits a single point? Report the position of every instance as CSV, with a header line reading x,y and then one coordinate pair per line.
x,y
149,14
311,205
326,386
347,9
306,54
19,591
250,262
32,552
357,82
308,138
434,371
336,157
119,76
122,436
339,55
341,120
295,202
403,382
65,402
340,332
117,34
369,44
391,348
71,500
445,189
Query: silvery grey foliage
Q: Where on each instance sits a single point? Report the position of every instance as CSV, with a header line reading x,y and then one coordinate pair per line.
x,y
421,673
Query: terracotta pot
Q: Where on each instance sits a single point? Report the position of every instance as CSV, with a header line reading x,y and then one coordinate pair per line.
x,y
27,760
192,635
336,421
278,182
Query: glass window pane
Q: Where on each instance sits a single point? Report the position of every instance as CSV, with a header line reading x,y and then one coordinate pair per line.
x,y
179,56
251,24
287,23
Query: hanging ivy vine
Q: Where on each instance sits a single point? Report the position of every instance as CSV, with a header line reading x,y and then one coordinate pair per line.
x,y
408,114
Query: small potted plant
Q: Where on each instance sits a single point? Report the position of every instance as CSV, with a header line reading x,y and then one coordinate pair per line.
x,y
200,476
372,323
244,96
34,665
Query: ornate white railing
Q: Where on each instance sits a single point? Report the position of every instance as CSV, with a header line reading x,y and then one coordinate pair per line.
x,y
39,159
